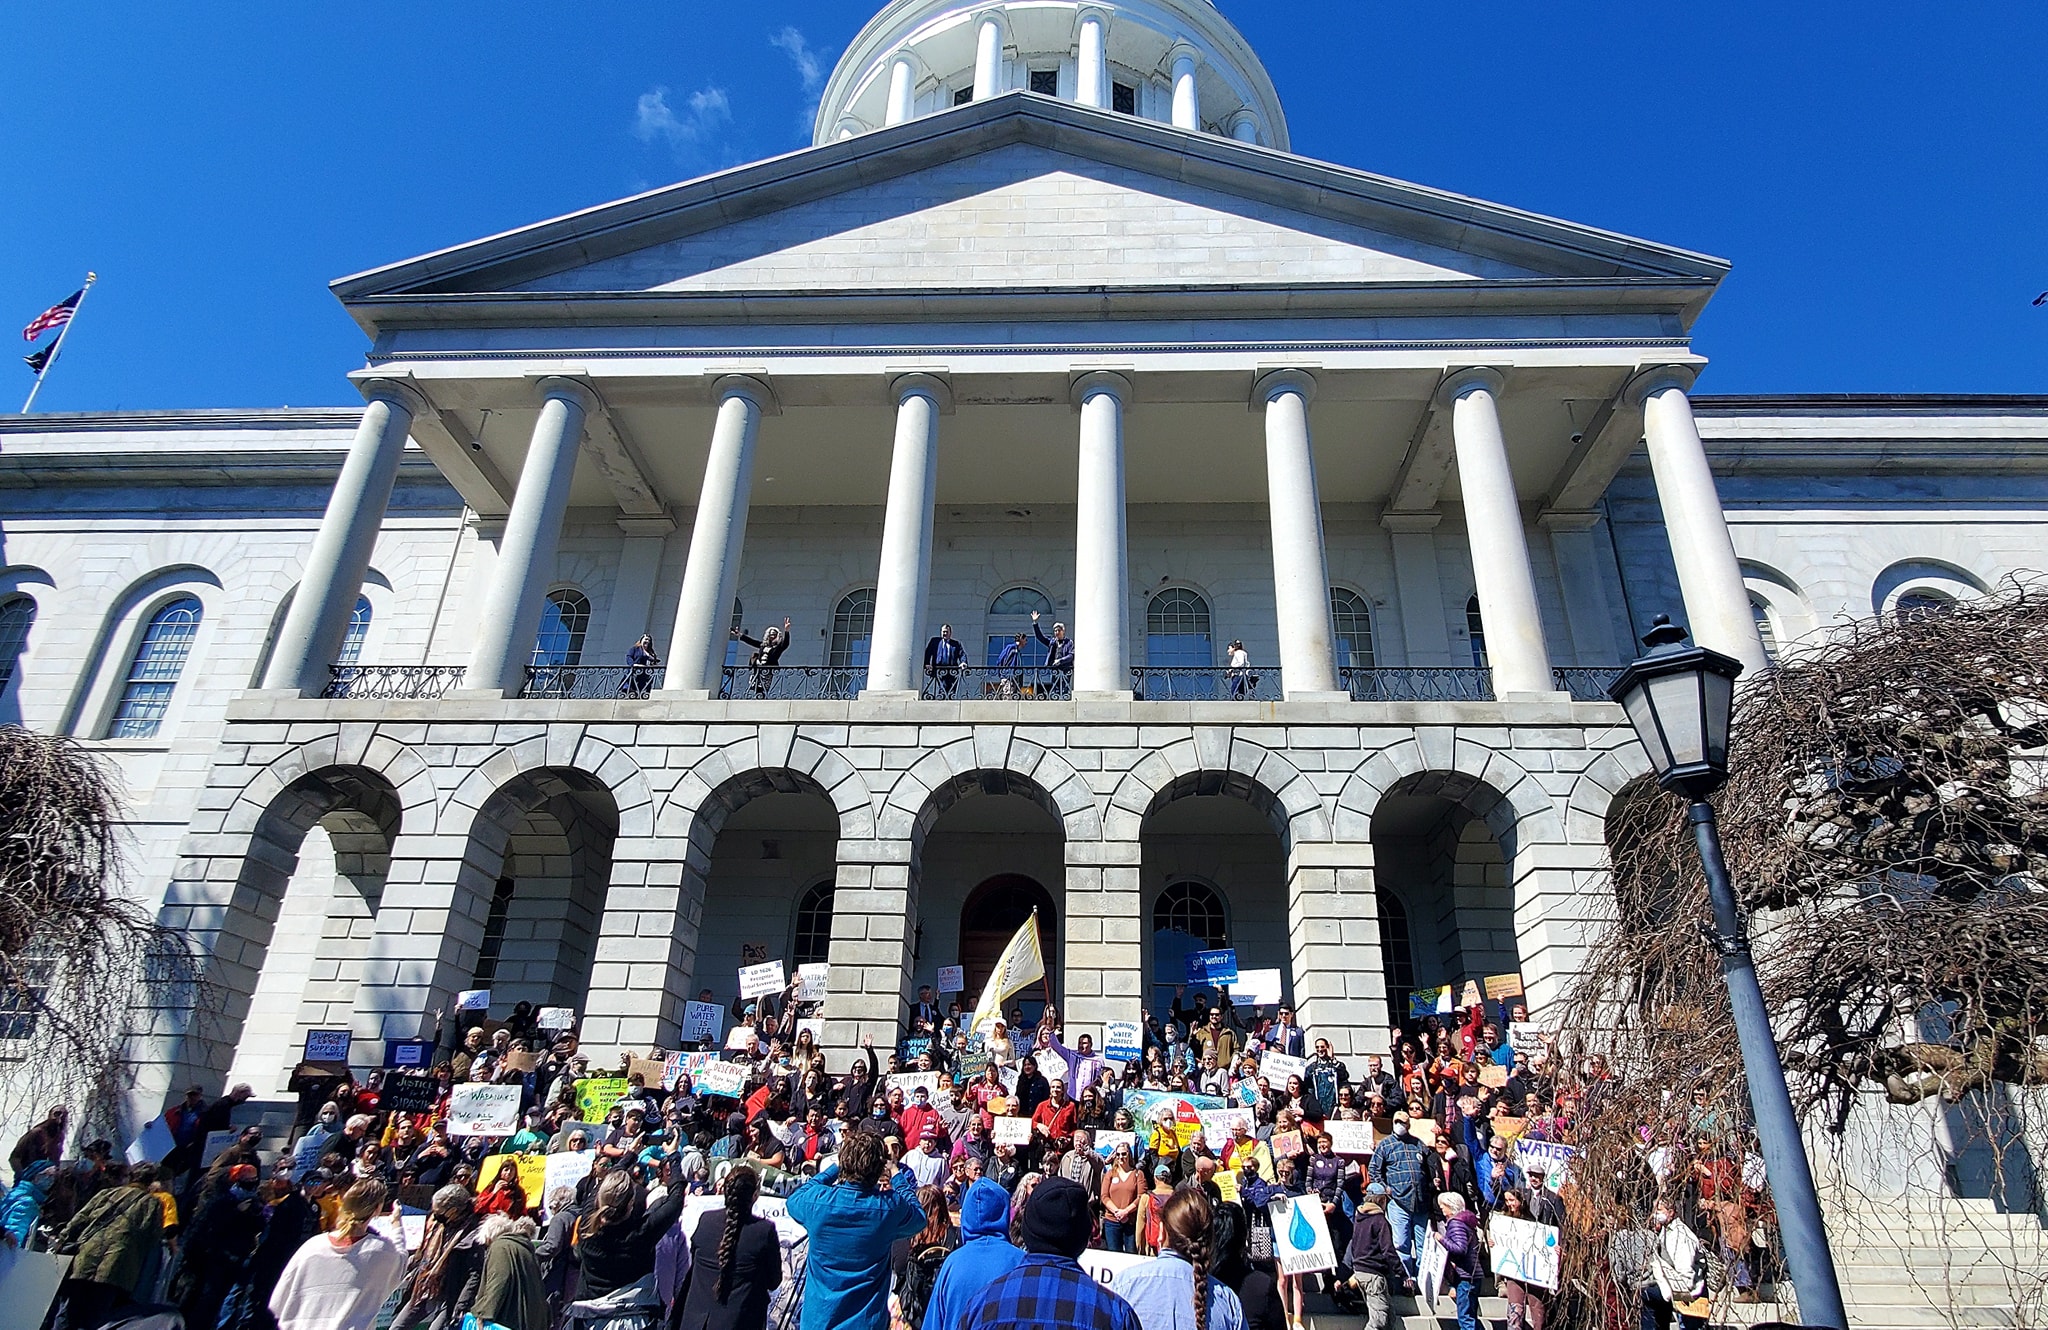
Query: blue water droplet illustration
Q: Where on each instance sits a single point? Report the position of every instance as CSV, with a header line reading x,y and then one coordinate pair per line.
x,y
1301,1235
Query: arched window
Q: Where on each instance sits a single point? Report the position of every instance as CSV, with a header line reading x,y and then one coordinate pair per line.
x,y
1177,630
1191,908
1351,616
813,925
1921,603
153,674
1475,628
1010,614
1762,613
17,616
733,646
853,630
1395,947
564,621
358,630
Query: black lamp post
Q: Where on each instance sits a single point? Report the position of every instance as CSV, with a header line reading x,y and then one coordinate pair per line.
x,y
1680,698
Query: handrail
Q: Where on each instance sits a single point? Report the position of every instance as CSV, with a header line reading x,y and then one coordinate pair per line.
x,y
391,682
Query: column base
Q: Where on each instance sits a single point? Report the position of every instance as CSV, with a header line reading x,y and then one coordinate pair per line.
x,y
681,695
1305,695
482,694
1103,695
890,695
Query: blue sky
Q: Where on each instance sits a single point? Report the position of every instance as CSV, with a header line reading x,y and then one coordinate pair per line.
x,y
1875,171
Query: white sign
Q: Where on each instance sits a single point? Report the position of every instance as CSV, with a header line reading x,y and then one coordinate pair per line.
x,y
1106,1143
814,1024
29,1282
1526,1039
473,999
1523,1251
1106,1267
1350,1138
1555,1160
702,1022
556,1018
1430,1269
216,1141
1277,1067
1120,1041
567,1168
327,1045
908,1081
811,980
483,1110
154,1142
1218,1126
952,979
1256,988
1301,1238
741,1038
723,1078
757,980
1011,1131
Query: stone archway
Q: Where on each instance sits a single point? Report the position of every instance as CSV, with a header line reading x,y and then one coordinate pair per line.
x,y
991,916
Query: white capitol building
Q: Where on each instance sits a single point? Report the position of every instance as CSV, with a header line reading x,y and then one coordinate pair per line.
x,y
1049,319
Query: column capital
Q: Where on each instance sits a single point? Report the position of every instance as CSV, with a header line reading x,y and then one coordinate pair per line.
x,y
400,393
646,527
1412,523
995,14
1182,49
1470,379
919,383
1273,382
1087,383
755,388
1656,379
1102,14
574,390
1563,519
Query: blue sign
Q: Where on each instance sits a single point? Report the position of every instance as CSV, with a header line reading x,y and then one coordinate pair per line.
x,y
408,1053
1212,967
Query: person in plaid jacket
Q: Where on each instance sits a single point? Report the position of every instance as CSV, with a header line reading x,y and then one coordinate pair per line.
x,y
1050,1287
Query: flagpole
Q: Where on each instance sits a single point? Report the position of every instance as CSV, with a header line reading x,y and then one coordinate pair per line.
x,y
58,349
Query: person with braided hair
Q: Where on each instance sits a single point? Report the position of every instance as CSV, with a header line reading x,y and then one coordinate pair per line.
x,y
1163,1290
735,1262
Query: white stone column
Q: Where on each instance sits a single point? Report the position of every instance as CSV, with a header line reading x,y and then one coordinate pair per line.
x,y
902,90
696,652
1580,556
526,552
1187,99
1709,576
640,554
988,57
340,558
1102,578
1091,71
1301,569
1420,583
1500,547
903,588
1244,126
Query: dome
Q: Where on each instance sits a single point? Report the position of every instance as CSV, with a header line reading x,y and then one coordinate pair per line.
x,y
1179,62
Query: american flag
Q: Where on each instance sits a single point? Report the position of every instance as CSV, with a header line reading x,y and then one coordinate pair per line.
x,y
56,316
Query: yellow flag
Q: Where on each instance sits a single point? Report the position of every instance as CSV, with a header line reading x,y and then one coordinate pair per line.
x,y
1022,963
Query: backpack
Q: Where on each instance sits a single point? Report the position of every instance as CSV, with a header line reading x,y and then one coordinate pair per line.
x,y
918,1280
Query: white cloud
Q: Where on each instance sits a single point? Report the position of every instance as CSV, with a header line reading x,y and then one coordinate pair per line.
x,y
809,68
706,113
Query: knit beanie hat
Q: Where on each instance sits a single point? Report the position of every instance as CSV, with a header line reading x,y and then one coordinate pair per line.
x,y
1056,1219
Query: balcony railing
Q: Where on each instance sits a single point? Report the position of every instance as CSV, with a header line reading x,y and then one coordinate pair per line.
x,y
792,683
591,682
392,682
1587,685
986,683
1418,684
1162,684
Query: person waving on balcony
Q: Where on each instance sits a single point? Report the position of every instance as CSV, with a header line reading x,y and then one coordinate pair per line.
x,y
1059,653
768,650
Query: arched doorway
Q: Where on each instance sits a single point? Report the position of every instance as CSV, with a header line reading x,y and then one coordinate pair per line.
x,y
994,912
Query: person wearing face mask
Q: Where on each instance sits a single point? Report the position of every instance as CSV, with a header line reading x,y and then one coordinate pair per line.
x,y
306,1155
1401,1165
1669,1265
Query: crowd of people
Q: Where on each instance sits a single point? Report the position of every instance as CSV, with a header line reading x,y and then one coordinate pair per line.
x,y
960,1180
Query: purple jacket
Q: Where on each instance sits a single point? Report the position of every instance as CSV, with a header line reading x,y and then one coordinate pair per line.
x,y
1461,1244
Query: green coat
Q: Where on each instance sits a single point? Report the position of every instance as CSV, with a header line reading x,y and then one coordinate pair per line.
x,y
115,1236
510,1293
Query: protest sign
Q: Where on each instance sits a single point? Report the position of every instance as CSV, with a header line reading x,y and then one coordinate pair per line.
x,y
973,1057
723,1078
1523,1251
952,979
815,1026
533,1175
1350,1138
1470,997
1503,985
1285,1145
327,1045
811,981
556,1018
1011,1131
1212,967
216,1141
702,1022
29,1281
1106,1267
909,1081
484,1110
1424,1001
1509,1129
408,1053
1256,988
649,1070
152,1143
1301,1238
1120,1040
1493,1076
595,1096
1526,1039
409,1093
473,999
1226,1184
1430,1270
1106,1143
1277,1067
758,980
567,1169
1219,1126
1553,1159
915,1047
522,1061
740,1038
1424,1130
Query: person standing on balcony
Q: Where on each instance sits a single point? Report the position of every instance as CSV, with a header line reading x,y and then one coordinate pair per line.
x,y
1242,680
942,660
1011,664
768,650
642,661
1059,654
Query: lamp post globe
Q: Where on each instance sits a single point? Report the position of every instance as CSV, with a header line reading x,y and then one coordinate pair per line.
x,y
1681,700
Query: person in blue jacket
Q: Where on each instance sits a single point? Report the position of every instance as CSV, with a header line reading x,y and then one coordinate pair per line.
x,y
985,1251
853,1222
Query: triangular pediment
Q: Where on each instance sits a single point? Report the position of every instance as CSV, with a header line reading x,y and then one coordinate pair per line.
x,y
1025,193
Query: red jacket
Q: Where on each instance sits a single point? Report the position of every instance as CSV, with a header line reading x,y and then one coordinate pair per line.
x,y
1057,1121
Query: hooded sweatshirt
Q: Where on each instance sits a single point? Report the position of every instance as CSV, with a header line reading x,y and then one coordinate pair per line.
x,y
984,1254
